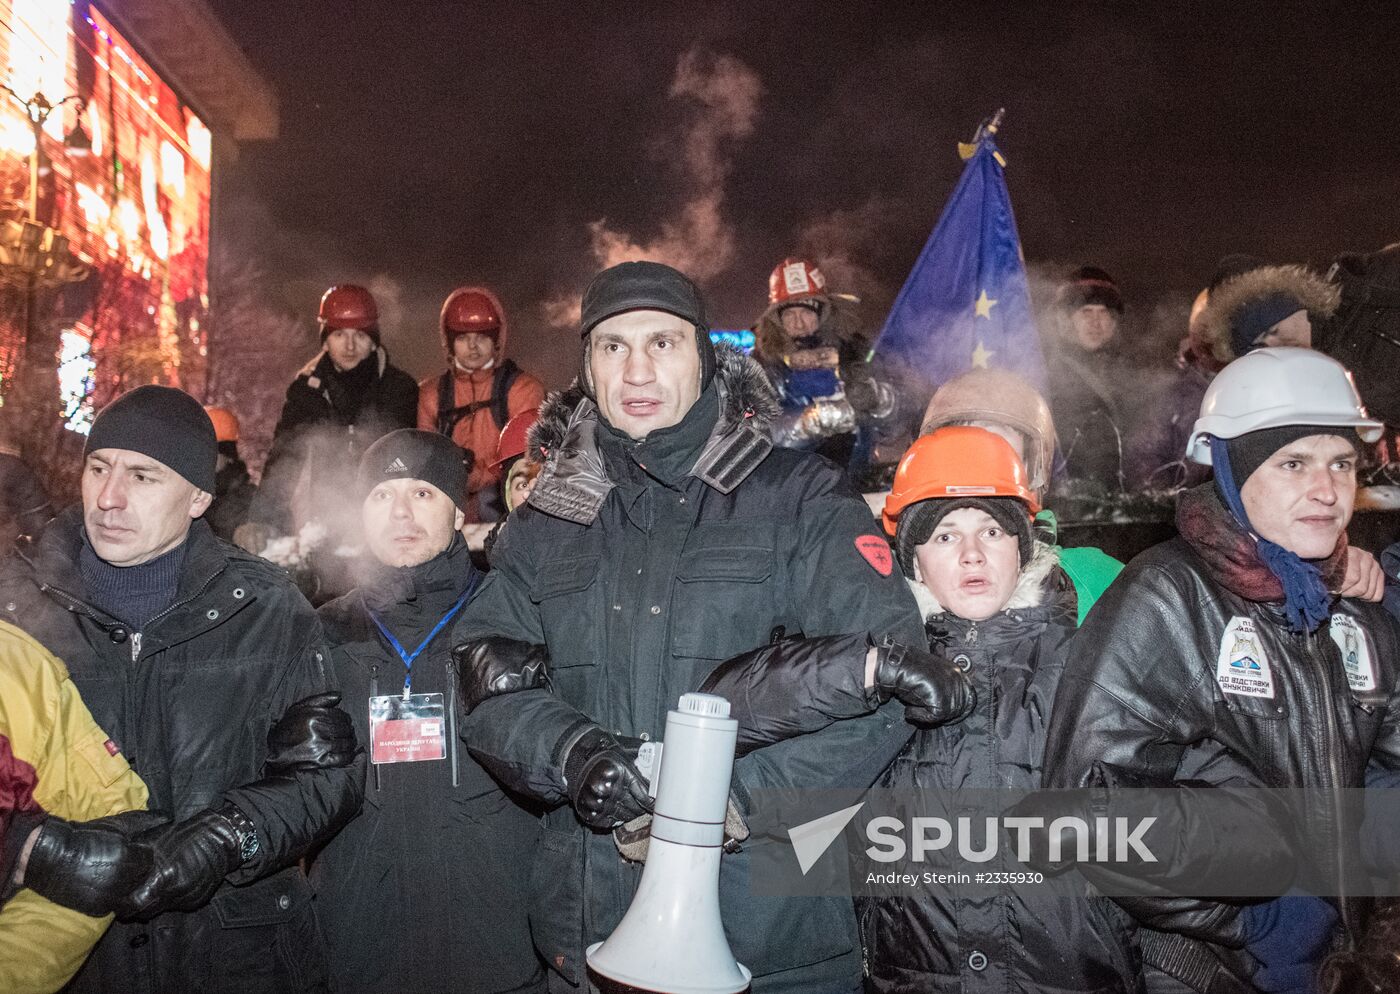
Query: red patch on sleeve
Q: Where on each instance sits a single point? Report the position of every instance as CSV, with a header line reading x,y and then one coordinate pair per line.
x,y
876,551
111,747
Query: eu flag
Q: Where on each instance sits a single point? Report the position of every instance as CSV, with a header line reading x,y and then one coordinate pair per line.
x,y
966,303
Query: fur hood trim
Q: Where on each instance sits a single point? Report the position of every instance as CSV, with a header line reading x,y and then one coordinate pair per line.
x,y
1318,297
1029,591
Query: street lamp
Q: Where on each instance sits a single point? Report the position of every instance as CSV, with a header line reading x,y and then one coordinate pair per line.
x,y
37,108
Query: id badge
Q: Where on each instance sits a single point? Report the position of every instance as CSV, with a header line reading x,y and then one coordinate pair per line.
x,y
407,729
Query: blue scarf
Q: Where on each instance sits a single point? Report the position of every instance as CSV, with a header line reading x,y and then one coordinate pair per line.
x,y
1306,600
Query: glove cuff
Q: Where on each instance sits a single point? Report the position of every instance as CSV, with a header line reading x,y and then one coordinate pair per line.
x,y
575,747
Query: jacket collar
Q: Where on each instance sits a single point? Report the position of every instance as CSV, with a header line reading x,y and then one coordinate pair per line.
x,y
1041,589
320,367
1230,553
53,557
575,481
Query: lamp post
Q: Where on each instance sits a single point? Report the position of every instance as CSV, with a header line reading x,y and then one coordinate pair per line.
x,y
35,257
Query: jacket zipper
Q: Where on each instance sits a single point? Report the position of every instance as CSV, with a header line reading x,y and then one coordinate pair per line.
x,y
136,636
373,693
1333,745
861,924
971,637
452,718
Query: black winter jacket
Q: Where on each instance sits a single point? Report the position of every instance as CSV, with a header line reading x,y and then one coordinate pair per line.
x,y
1142,694
189,699
422,889
321,435
1091,413
233,498
1045,938
639,586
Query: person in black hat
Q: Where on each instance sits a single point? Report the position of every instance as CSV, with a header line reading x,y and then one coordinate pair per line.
x,y
206,669
422,890
1086,375
666,534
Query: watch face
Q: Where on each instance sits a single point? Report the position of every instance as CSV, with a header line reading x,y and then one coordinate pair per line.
x,y
250,846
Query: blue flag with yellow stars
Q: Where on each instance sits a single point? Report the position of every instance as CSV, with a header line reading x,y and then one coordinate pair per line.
x,y
966,303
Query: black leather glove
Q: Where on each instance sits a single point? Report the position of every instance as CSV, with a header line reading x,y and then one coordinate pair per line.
x,y
89,866
603,782
188,862
933,690
313,734
492,666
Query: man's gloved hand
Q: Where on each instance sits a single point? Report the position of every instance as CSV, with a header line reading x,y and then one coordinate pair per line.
x,y
933,690
188,862
492,666
603,782
252,536
313,734
89,866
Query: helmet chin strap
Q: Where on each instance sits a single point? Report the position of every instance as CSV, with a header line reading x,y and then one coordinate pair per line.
x,y
486,365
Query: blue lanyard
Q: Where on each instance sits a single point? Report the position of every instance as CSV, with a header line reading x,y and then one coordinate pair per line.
x,y
409,657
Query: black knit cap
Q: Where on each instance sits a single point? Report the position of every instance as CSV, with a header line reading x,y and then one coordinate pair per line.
x,y
917,522
648,286
410,454
164,423
1251,450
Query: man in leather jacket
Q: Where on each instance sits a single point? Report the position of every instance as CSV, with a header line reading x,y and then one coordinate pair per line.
x,y
1224,657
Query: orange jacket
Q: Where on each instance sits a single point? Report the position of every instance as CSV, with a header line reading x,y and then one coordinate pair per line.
x,y
479,431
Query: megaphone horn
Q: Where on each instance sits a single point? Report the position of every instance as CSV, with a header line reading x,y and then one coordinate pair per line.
x,y
671,941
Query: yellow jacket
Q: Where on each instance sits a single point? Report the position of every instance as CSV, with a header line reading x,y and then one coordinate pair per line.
x,y
53,756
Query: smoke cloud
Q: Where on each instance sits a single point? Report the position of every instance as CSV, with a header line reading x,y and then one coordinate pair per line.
x,y
721,97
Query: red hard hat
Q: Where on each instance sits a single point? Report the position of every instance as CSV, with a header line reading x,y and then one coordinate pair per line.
x,y
346,305
795,280
957,461
469,311
513,437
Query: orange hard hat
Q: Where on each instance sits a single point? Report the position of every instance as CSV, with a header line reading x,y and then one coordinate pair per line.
x,y
514,437
795,280
469,311
957,461
225,423
348,306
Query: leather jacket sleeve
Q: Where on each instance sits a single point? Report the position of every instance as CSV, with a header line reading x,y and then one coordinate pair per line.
x,y
793,687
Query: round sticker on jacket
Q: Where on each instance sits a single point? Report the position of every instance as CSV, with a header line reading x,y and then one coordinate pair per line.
x,y
1356,651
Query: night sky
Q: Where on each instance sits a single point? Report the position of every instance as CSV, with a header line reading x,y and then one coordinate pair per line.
x,y
427,144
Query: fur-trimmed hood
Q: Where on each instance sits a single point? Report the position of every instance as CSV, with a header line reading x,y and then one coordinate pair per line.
x,y
574,482
1032,587
1315,295
840,325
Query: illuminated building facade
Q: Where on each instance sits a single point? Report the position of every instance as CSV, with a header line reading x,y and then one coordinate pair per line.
x,y
126,173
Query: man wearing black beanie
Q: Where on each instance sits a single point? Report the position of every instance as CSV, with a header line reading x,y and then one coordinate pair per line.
x,y
666,534
443,837
1234,655
206,669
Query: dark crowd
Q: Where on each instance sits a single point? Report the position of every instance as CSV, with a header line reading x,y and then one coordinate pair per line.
x,y
432,779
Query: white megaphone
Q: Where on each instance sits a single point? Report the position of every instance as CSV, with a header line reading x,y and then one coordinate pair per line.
x,y
671,941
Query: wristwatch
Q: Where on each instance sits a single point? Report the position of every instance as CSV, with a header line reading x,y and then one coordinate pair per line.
x,y
248,845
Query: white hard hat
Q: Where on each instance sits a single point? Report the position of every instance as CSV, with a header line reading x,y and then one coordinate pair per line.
x,y
1272,388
